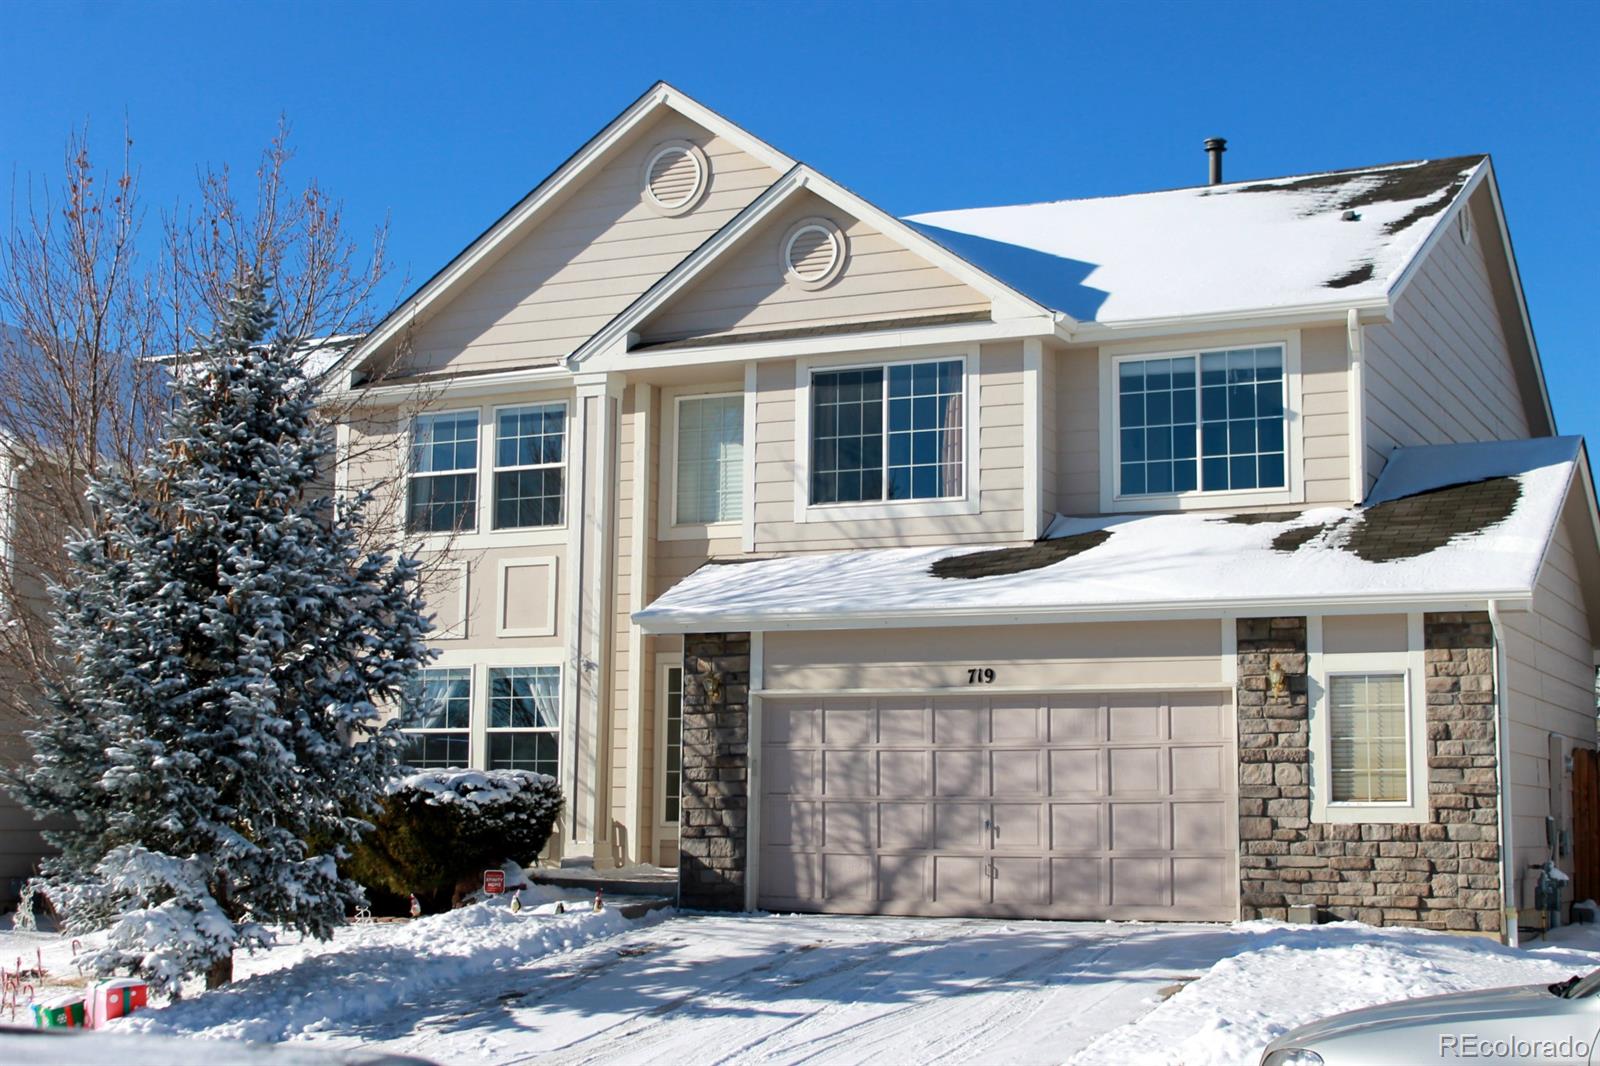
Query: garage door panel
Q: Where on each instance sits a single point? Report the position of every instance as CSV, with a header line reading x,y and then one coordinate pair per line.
x,y
1135,771
1077,827
960,773
847,877
851,772
1077,771
966,722
1017,773
1139,882
1198,769
960,826
905,773
848,724
849,826
1014,722
959,879
1019,827
1073,719
1075,805
1199,826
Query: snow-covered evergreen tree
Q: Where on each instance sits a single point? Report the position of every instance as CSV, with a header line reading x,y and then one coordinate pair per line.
x,y
219,736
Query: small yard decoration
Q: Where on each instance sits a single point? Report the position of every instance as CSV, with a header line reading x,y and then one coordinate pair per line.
x,y
109,1000
63,1012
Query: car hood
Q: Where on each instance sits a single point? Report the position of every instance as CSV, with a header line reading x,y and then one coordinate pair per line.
x,y
1455,1006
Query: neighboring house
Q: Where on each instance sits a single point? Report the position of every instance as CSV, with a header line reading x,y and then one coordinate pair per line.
x,y
1191,554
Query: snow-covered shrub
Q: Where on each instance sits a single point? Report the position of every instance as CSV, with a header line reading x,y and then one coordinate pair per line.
x,y
439,827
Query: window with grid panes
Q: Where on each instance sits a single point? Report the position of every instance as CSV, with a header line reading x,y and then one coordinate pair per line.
x,y
530,455
438,716
442,494
672,743
888,433
525,718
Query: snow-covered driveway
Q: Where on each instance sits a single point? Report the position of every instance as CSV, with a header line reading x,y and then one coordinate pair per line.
x,y
478,986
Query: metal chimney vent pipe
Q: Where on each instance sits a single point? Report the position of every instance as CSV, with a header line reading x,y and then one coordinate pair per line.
x,y
1215,146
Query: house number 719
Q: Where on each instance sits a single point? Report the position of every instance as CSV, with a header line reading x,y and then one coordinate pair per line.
x,y
980,675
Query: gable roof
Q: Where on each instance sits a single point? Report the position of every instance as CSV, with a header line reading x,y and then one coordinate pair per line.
x,y
1446,524
529,210
1009,301
1344,237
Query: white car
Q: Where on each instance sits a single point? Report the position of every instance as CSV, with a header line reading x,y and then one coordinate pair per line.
x,y
1557,1023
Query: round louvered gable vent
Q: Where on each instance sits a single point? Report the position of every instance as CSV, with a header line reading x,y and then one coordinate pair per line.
x,y
675,177
813,253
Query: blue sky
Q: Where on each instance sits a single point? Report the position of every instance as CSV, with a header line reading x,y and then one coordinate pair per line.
x,y
439,116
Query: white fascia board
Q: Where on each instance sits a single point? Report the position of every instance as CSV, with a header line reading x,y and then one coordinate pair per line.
x,y
457,388
658,96
1516,287
1331,312
868,341
1408,269
1516,600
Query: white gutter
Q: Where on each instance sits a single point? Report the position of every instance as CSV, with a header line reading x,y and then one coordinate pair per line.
x,y
1502,727
928,617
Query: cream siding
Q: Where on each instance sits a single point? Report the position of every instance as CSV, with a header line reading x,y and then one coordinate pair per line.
x,y
550,291
1442,372
1550,690
1051,431
748,292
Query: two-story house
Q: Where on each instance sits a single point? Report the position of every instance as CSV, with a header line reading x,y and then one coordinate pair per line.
x,y
1191,554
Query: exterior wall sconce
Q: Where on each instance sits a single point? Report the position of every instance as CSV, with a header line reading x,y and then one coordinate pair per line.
x,y
713,685
1277,681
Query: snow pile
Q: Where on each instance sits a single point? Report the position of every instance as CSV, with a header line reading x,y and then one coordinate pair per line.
x,y
390,966
1286,242
1300,974
474,788
1157,560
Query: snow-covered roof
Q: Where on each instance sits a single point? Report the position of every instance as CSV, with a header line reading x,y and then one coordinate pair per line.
x,y
1246,246
1444,523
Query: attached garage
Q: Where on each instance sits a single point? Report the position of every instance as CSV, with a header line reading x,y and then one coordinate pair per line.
x,y
1054,805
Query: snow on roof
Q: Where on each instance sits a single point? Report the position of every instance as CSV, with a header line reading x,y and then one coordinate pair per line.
x,y
1473,523
1246,246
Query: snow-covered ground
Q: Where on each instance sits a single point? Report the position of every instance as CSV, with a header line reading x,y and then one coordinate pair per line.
x,y
482,985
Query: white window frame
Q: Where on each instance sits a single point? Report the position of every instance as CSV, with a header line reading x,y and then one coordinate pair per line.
x,y
409,462
1408,662
664,664
1111,498
553,570
668,527
494,466
967,503
472,696
491,731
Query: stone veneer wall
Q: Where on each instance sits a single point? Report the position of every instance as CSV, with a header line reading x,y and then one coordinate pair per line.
x,y
716,771
1438,874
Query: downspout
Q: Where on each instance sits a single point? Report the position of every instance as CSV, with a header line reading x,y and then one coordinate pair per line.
x,y
1357,458
1508,875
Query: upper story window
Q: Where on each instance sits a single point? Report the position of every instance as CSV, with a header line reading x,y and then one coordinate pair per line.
x,y
710,460
1208,422
530,456
891,432
442,496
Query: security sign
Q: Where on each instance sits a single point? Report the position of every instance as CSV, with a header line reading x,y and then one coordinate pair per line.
x,y
494,881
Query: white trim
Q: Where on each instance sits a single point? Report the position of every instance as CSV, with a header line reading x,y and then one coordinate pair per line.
x,y
1034,520
1006,614
638,821
548,192
1111,502
702,168
488,499
1009,690
1356,447
667,525
1373,308
1230,652
1409,662
835,236
752,862
969,502
438,541
1502,726
461,567
752,395
549,562
1005,302
665,662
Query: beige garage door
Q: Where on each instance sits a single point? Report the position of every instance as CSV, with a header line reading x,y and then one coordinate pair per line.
x,y
1061,806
